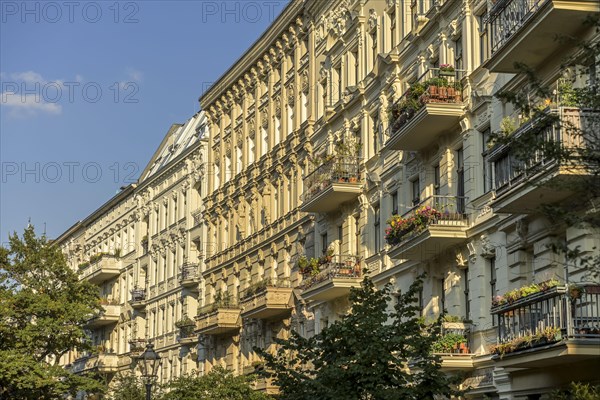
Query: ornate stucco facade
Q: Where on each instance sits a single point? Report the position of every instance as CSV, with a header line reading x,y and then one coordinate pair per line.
x,y
302,158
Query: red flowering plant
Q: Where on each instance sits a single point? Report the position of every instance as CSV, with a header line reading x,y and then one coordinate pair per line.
x,y
399,226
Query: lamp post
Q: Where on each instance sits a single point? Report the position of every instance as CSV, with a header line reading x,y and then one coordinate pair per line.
x,y
149,362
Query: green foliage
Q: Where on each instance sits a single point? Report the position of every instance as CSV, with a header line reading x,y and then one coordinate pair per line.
x,y
130,387
364,354
577,391
219,384
537,102
43,308
447,343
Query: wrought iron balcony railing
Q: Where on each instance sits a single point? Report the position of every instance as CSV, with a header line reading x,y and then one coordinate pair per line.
x,y
434,86
558,313
508,16
434,210
563,126
138,295
342,266
336,169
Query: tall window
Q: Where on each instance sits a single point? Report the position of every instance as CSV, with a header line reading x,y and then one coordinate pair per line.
x,y
416,192
442,296
304,101
486,165
355,62
338,90
374,47
376,227
277,129
290,121
460,171
484,43
492,264
393,27
340,232
324,243
436,180
466,293
395,203
458,54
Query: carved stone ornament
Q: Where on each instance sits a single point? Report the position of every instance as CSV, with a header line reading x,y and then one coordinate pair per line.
x,y
372,22
461,261
487,248
304,81
264,119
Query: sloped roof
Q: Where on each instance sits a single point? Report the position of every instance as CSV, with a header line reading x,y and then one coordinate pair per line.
x,y
179,138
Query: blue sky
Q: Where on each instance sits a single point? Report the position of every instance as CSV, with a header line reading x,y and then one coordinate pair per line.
x,y
89,89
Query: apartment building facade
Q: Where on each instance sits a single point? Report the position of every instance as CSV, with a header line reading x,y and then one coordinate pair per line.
x,y
142,249
340,116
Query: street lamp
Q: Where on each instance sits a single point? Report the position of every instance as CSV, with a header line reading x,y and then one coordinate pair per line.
x,y
148,362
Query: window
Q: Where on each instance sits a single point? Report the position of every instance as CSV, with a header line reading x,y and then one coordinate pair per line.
x,y
277,129
460,170
238,158
393,27
377,229
458,54
442,296
416,192
338,90
374,46
487,165
290,121
395,203
436,180
304,99
492,264
484,44
355,61
324,243
340,229
467,304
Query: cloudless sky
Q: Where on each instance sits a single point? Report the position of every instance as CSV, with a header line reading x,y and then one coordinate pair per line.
x,y
90,88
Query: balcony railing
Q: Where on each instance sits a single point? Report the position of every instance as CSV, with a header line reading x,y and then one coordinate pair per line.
x,y
138,295
222,316
266,299
189,274
137,345
337,275
561,125
428,228
507,16
430,107
549,316
337,169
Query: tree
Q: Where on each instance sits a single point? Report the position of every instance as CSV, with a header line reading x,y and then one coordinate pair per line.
x,y
534,101
130,387
218,384
43,308
367,354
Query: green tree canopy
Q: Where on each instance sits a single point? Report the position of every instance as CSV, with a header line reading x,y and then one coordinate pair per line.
x,y
43,308
369,353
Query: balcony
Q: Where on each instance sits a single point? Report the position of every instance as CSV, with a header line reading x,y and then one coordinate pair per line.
x,y
110,315
267,300
431,107
101,267
103,363
189,276
196,230
138,299
334,278
521,187
336,181
137,346
187,336
554,326
453,347
221,317
428,229
526,30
